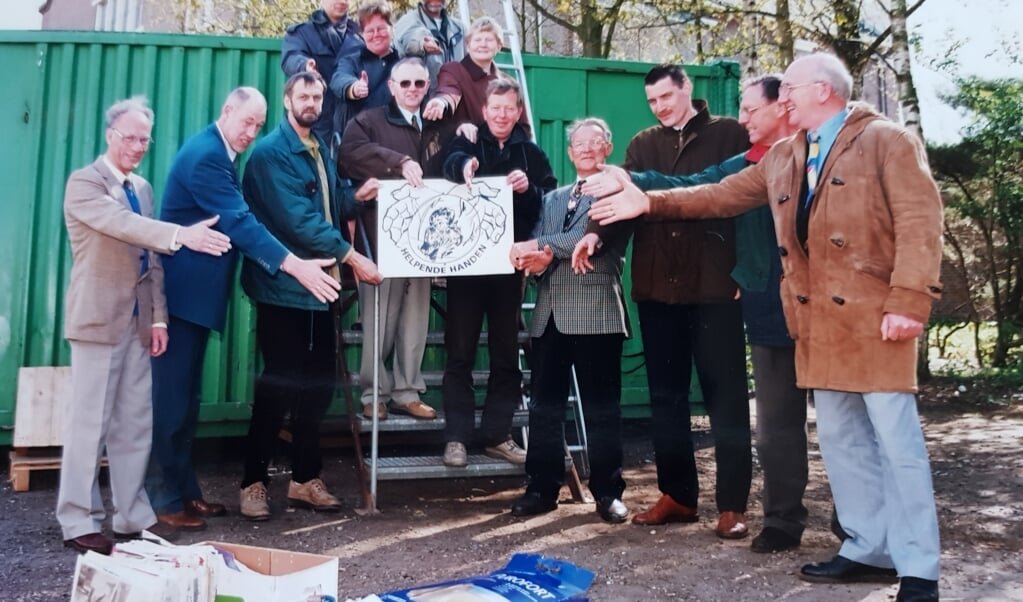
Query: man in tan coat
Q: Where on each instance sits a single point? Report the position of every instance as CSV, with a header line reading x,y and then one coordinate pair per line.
x,y
114,321
859,222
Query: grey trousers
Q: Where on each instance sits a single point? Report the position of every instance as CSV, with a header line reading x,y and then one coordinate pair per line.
x,y
781,437
874,452
404,320
111,406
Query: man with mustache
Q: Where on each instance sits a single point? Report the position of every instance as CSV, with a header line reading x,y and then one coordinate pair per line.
x,y
685,296
290,184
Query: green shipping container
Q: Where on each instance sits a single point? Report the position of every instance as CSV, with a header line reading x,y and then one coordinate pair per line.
x,y
52,119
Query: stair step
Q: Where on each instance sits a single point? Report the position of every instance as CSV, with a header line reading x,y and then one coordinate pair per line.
x,y
434,337
432,467
433,378
401,422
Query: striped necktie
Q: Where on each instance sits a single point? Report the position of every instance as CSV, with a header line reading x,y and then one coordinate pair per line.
x,y
812,156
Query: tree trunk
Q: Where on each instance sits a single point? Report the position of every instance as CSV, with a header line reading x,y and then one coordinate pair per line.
x,y
786,41
909,103
590,30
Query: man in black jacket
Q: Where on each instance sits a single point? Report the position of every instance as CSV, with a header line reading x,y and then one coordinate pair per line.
x,y
502,147
316,45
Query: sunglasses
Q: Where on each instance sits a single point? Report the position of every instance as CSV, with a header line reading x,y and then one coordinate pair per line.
x,y
419,83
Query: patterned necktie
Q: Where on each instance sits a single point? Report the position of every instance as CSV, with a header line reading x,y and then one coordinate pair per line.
x,y
812,156
573,204
133,200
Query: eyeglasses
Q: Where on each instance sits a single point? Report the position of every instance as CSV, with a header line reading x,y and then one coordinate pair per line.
x,y
405,83
788,88
375,31
145,141
589,144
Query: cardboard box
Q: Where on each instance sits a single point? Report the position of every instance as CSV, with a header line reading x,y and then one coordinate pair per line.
x,y
278,575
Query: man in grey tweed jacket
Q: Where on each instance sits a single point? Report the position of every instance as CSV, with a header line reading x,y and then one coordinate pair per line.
x,y
579,319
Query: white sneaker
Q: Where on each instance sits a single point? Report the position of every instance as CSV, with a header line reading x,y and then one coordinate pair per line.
x,y
454,455
509,451
254,505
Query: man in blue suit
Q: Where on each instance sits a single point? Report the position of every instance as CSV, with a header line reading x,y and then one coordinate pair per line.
x,y
203,182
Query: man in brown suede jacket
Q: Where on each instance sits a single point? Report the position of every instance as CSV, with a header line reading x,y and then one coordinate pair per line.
x,y
859,222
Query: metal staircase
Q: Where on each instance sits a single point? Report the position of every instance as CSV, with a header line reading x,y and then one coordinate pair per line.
x,y
373,466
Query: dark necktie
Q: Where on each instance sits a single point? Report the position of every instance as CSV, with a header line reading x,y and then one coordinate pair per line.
x,y
415,124
133,200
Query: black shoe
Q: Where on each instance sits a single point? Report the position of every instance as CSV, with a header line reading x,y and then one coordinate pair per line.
x,y
773,539
842,570
915,589
532,503
612,510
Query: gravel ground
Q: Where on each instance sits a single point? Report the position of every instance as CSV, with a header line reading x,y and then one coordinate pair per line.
x,y
434,530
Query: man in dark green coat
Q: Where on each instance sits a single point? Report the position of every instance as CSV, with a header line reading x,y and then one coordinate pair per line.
x,y
292,189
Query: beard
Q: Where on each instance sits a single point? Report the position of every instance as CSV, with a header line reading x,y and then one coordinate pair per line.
x,y
306,118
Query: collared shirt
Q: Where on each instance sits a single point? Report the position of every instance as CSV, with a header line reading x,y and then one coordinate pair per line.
x,y
122,178
828,132
409,114
120,175
231,154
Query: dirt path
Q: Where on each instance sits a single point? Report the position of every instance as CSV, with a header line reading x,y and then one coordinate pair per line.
x,y
436,530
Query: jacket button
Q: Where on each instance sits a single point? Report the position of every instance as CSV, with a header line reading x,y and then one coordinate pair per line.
x,y
783,198
838,242
838,181
838,300
674,234
934,289
802,299
783,251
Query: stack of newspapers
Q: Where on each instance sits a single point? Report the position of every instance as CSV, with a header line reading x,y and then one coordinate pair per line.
x,y
148,570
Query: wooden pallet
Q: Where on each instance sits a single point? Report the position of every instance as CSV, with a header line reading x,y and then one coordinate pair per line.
x,y
25,460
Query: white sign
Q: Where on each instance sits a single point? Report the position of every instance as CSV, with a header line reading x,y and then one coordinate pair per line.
x,y
443,229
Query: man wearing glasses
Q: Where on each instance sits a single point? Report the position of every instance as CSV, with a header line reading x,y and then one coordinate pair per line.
x,y
859,224
392,142
579,320
116,320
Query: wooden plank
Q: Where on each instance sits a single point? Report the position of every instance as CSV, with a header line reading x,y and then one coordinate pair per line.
x,y
24,462
41,404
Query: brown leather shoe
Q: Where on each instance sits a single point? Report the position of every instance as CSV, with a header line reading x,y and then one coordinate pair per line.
x,y
415,409
666,510
204,509
732,525
367,411
182,521
90,542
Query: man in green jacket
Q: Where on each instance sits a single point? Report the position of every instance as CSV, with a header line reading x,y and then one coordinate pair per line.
x,y
293,190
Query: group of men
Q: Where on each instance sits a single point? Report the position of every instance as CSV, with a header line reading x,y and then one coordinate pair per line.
x,y
833,282
291,203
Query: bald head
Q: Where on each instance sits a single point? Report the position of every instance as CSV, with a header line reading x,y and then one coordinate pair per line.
x,y
814,89
242,116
